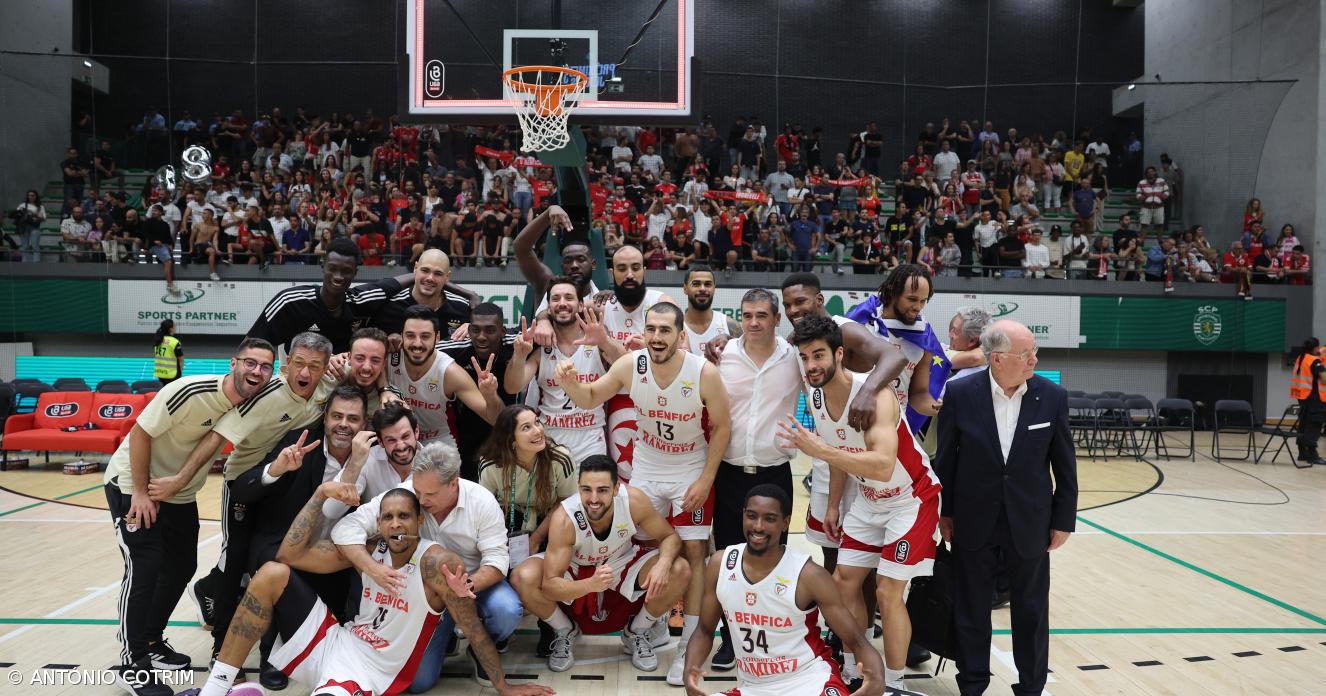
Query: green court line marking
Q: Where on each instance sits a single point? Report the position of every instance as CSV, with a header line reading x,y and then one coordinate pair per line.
x,y
43,502
1169,630
1214,576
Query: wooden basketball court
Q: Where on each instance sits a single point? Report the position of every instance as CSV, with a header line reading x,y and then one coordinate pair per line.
x,y
1184,578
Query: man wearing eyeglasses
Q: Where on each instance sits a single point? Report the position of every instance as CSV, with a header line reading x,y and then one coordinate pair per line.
x,y
1002,433
293,401
159,536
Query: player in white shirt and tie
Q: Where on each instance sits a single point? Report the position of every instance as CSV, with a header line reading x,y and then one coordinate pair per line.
x,y
673,463
891,525
427,378
578,336
772,598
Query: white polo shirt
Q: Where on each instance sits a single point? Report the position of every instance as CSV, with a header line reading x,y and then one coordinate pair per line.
x,y
759,396
473,530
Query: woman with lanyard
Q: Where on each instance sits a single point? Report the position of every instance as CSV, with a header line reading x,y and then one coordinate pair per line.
x,y
528,473
168,356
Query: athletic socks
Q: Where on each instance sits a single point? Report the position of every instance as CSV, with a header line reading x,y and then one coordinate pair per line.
x,y
558,621
690,621
643,621
849,667
220,680
893,678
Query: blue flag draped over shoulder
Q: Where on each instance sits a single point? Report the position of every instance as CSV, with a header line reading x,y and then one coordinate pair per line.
x,y
920,335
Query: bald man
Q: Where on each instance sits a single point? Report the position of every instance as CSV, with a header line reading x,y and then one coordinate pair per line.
x,y
432,288
1000,501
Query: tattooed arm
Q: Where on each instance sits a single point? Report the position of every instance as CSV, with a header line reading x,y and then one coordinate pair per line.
x,y
463,610
303,546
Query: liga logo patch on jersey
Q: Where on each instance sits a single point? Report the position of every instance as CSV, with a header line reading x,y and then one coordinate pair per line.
x,y
817,398
832,691
731,559
642,364
580,521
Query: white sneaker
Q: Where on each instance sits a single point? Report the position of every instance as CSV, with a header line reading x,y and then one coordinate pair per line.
x,y
658,636
215,278
642,650
677,670
560,657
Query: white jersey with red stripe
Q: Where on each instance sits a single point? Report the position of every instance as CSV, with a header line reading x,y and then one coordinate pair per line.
x,y
819,471
669,437
617,548
425,396
698,339
390,626
556,409
775,640
912,476
621,323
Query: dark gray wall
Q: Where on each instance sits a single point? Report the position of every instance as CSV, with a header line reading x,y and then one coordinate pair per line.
x,y
1039,66
34,95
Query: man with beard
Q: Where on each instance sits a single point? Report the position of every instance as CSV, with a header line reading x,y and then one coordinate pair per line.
x,y
891,525
429,379
301,462
673,463
380,456
364,367
159,539
293,401
578,264
431,288
703,324
902,296
416,582
781,652
333,309
624,309
578,337
486,338
465,519
594,577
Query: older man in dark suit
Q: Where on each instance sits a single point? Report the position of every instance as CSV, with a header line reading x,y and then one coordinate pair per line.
x,y
1001,436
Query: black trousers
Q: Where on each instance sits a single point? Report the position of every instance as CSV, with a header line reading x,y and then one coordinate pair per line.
x,y
730,488
1311,415
158,563
1029,586
223,583
332,588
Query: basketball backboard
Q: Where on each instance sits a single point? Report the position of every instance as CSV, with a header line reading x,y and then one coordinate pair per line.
x,y
637,54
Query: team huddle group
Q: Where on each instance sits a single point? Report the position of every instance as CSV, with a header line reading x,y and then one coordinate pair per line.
x,y
417,470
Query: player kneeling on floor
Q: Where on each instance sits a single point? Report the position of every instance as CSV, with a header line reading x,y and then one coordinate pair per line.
x,y
378,651
772,597
594,578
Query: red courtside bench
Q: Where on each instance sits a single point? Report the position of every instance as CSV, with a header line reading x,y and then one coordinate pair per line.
x,y
47,429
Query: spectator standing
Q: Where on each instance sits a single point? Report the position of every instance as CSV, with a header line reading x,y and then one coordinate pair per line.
x,y
75,172
1286,242
161,245
167,355
749,155
28,218
946,161
1252,212
1308,386
1085,204
359,145
1011,251
1005,504
1298,267
1237,268
74,232
1152,192
872,145
950,255
1173,175
804,234
1052,184
1076,251
866,258
778,184
1036,261
1101,150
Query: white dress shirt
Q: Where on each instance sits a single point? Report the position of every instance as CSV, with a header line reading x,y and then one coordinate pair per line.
x,y
1006,412
759,396
473,530
376,477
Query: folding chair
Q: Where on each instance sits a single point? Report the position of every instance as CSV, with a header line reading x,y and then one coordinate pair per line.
x,y
1284,429
1233,418
1114,428
1176,416
1076,392
113,386
1112,394
27,393
71,384
1081,422
1142,414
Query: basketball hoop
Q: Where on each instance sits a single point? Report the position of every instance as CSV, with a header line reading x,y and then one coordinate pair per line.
x,y
546,95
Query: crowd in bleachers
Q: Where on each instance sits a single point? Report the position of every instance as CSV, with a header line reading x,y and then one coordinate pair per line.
x,y
968,200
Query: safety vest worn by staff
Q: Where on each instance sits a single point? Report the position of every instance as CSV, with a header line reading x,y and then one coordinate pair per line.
x,y
1300,383
166,364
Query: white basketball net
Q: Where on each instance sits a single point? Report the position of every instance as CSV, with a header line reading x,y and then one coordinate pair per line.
x,y
545,97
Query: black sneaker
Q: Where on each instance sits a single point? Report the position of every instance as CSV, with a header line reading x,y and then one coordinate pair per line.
x,y
502,645
835,645
877,632
163,656
916,655
272,678
205,606
725,658
890,691
854,685
546,635
140,680
480,675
